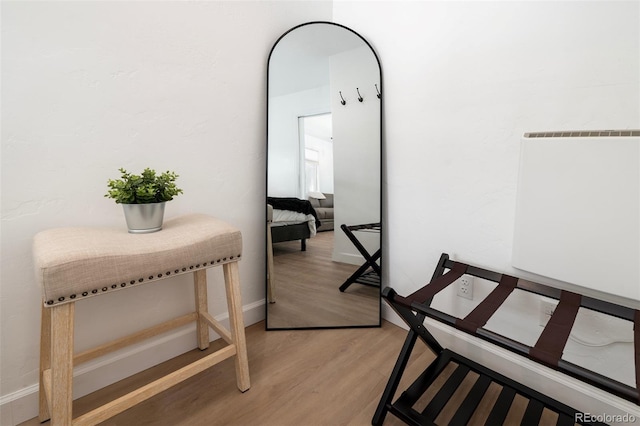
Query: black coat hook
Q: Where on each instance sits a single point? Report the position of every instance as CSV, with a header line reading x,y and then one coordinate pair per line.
x,y
378,92
343,102
359,96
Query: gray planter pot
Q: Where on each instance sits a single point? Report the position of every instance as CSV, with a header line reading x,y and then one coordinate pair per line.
x,y
144,218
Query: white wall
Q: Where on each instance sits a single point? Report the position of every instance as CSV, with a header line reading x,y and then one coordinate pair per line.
x,y
462,82
89,87
357,149
284,138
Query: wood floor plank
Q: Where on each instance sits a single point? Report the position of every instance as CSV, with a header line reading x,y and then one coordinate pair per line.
x,y
486,404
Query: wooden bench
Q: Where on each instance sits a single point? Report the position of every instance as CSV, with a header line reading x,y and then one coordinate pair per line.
x,y
73,264
548,350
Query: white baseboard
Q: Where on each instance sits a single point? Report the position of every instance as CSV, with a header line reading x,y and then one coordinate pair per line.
x,y
22,405
348,258
570,391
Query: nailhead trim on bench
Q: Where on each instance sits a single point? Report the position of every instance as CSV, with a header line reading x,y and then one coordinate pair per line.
x,y
189,269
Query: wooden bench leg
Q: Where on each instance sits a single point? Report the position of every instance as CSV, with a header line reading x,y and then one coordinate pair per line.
x,y
45,362
202,327
61,364
236,323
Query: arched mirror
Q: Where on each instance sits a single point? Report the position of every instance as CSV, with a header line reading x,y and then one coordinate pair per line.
x,y
323,180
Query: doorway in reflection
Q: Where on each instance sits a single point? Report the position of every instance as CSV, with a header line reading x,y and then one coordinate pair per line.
x,y
316,144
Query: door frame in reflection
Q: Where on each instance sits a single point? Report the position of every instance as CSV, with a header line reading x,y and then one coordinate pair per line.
x,y
324,175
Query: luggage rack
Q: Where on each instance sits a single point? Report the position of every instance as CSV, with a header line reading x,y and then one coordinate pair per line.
x,y
443,377
369,273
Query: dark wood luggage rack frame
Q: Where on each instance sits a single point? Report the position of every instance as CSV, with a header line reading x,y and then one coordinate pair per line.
x,y
369,273
414,308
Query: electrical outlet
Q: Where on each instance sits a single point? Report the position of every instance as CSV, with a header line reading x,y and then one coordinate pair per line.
x,y
547,307
465,287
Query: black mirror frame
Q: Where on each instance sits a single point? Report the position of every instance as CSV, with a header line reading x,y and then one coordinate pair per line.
x,y
379,91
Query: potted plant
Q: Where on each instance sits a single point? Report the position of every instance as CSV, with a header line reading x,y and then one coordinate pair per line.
x,y
143,197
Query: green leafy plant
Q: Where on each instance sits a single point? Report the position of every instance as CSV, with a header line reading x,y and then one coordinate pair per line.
x,y
148,187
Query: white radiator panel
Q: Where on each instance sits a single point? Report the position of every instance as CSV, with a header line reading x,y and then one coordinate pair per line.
x,y
578,209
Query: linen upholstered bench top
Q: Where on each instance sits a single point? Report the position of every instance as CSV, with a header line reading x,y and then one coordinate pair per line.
x,y
75,263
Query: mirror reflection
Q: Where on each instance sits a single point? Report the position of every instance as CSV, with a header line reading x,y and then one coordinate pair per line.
x,y
323,180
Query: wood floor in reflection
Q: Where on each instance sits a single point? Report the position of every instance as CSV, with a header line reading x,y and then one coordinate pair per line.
x,y
307,293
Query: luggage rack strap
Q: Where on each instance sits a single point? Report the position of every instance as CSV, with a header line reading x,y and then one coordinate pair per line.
x,y
481,314
426,293
550,345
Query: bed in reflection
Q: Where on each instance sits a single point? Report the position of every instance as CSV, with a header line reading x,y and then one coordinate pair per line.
x,y
292,219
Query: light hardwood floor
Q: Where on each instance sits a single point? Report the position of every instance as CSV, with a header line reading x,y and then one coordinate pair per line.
x,y
298,377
